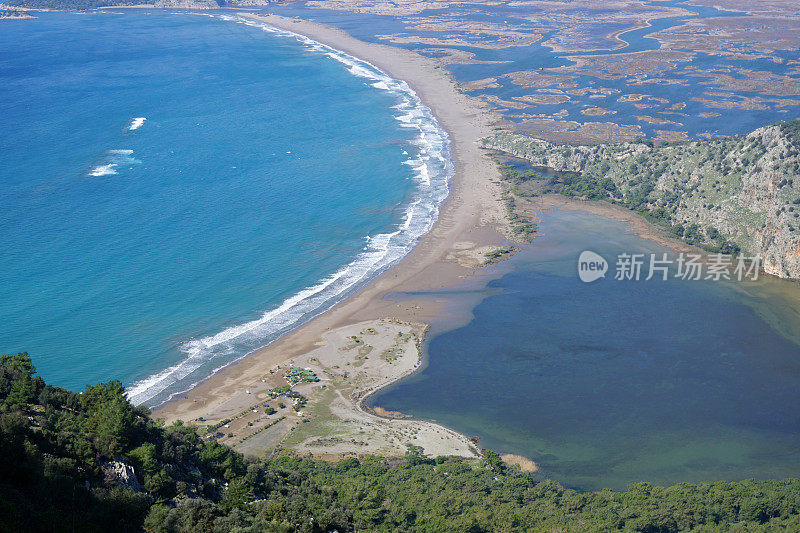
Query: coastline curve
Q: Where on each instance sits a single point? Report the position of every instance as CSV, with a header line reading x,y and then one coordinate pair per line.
x,y
433,167
471,221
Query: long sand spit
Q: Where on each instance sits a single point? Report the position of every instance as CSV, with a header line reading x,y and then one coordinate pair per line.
x,y
469,223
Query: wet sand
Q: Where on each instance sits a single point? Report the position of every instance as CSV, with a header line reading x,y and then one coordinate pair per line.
x,y
470,223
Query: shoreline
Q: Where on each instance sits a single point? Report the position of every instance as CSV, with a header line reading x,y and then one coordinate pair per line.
x,y
637,224
386,351
427,152
448,254
468,224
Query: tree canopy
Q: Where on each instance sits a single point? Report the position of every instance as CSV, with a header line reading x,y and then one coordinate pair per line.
x,y
94,462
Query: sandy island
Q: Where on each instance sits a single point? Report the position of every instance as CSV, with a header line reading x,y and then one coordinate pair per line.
x,y
236,404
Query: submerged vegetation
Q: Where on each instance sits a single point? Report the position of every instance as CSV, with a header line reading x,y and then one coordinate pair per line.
x,y
94,462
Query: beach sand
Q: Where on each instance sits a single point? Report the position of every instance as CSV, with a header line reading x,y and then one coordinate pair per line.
x,y
354,362
471,222
350,363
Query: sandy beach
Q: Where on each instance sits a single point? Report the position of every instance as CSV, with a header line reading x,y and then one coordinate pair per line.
x,y
470,224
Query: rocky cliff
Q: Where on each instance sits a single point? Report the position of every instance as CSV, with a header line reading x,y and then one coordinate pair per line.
x,y
730,194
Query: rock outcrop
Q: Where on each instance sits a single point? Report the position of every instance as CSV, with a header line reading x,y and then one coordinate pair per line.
x,y
118,473
742,192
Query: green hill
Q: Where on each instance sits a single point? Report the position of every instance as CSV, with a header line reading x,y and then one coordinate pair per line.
x,y
729,194
94,462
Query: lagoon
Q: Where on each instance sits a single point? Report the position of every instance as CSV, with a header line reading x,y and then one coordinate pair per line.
x,y
613,382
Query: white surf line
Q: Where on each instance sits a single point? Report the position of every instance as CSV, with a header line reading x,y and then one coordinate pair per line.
x,y
433,168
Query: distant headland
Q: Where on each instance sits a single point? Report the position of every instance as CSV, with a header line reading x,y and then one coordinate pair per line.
x,y
14,14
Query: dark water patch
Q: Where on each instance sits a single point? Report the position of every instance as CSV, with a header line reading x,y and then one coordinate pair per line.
x,y
608,383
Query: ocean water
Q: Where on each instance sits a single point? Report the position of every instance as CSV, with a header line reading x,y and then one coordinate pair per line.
x,y
180,189
614,382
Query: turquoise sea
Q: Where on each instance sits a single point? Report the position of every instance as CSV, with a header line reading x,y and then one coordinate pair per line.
x,y
179,189
271,177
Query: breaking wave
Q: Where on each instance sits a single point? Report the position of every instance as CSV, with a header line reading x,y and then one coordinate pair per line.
x,y
428,155
136,123
113,159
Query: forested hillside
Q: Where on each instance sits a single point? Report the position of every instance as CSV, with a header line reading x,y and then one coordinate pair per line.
x,y
94,462
729,194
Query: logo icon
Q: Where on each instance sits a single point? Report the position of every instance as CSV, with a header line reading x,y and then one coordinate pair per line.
x,y
591,266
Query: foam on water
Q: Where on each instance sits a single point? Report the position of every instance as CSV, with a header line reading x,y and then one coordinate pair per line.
x,y
136,123
104,170
429,154
113,159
